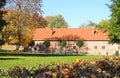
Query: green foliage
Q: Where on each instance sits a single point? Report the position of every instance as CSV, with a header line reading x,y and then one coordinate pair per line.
x,y
116,53
56,21
104,24
29,60
62,43
114,29
47,43
88,25
79,43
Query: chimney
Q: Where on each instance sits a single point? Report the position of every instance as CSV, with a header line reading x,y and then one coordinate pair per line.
x,y
94,31
53,31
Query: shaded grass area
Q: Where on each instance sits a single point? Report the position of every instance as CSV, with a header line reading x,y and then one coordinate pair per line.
x,y
34,54
8,59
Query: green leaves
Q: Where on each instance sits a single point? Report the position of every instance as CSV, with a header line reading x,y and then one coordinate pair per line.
x,y
56,21
114,28
62,43
79,43
47,43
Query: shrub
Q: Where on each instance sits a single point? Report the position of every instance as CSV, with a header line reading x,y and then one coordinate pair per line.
x,y
32,43
17,72
100,68
47,43
62,43
79,43
116,53
105,67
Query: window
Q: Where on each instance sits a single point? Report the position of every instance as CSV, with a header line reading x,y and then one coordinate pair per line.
x,y
103,47
95,47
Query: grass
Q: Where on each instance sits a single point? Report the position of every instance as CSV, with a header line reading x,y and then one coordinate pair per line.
x,y
8,59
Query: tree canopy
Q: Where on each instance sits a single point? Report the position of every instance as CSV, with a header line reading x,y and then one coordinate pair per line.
x,y
23,16
88,25
56,21
114,29
104,25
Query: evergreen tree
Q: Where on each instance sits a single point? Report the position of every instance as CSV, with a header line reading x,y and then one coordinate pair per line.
x,y
2,3
114,29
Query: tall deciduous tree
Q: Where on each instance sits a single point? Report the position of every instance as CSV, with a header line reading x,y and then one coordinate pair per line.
x,y
114,29
10,31
38,21
22,11
56,21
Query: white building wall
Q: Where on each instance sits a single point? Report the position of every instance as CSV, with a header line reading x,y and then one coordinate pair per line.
x,y
109,48
89,47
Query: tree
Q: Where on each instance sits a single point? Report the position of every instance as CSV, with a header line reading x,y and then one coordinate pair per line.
x,y
38,21
103,25
56,21
23,10
88,25
2,3
10,32
114,29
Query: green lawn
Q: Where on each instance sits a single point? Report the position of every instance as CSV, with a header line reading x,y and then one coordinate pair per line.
x,y
8,60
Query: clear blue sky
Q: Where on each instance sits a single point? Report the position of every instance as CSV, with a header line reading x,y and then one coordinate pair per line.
x,y
77,12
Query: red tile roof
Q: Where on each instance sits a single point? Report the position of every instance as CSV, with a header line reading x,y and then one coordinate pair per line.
x,y
69,34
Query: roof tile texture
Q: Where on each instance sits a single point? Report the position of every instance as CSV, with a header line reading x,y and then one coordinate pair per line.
x,y
69,34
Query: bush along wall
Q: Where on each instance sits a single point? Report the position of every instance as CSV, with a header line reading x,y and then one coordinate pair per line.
x,y
79,43
47,45
101,68
62,44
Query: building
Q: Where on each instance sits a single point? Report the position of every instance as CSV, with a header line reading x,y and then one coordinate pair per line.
x,y
95,41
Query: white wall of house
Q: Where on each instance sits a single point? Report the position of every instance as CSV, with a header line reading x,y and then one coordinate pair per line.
x,y
101,47
92,47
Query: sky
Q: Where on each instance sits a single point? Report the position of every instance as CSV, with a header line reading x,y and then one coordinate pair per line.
x,y
77,12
